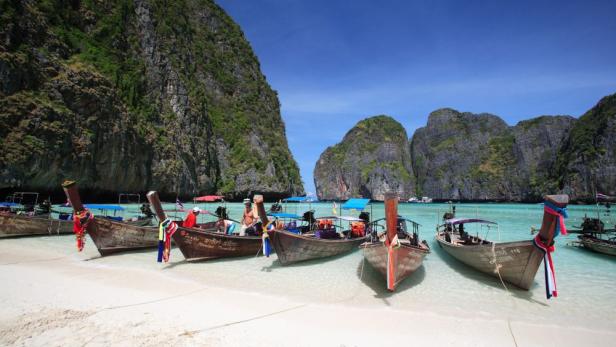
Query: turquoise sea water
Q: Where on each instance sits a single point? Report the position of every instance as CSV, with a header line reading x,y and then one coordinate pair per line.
x,y
586,281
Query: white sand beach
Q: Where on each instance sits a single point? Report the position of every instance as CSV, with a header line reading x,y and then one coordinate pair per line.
x,y
54,297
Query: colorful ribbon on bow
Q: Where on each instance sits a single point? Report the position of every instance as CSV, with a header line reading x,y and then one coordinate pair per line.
x,y
81,220
558,212
391,263
267,246
166,229
548,265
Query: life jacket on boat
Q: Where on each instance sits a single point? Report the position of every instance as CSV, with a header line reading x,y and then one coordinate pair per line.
x,y
325,224
358,229
190,221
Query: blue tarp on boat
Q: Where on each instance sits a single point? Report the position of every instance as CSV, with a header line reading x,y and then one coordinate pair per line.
x,y
284,215
468,220
8,204
399,218
355,204
105,207
299,199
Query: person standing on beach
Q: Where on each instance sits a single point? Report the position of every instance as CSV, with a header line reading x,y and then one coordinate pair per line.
x,y
191,218
248,219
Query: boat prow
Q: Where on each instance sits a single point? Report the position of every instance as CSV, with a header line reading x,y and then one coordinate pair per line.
x,y
396,254
406,259
111,236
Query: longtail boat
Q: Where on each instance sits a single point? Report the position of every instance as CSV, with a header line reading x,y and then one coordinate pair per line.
x,y
395,254
203,244
594,236
22,215
108,235
320,239
12,224
294,247
515,262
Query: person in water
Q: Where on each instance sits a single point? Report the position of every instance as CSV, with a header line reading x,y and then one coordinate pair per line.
x,y
248,219
191,218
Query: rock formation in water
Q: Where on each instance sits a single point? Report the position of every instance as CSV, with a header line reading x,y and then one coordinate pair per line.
x,y
134,95
372,158
462,156
465,156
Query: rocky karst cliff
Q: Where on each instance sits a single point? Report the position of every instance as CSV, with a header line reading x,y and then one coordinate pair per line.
x,y
133,95
587,160
465,156
459,155
372,158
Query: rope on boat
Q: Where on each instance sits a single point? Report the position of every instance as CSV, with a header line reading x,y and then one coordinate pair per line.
x,y
497,268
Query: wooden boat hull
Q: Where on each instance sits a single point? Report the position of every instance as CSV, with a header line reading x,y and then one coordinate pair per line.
x,y
145,222
407,259
112,237
205,244
597,245
20,225
519,260
292,248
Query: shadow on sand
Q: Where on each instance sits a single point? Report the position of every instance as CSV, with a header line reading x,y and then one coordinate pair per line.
x,y
124,253
276,264
483,278
207,260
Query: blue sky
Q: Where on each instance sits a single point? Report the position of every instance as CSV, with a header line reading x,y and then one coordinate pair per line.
x,y
334,63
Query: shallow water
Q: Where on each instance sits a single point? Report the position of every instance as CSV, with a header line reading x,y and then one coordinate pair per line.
x,y
586,280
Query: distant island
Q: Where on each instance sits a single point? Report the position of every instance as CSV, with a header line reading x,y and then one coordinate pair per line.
x,y
475,157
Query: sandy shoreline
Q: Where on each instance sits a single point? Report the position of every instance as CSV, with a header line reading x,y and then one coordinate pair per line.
x,y
49,298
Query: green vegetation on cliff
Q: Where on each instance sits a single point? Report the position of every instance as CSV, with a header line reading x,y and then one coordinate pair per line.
x,y
371,158
174,81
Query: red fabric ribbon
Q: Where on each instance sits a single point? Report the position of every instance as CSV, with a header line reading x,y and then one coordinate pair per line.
x,y
81,220
167,229
548,264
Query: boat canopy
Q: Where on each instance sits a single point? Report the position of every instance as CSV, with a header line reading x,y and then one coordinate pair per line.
x,y
344,218
467,220
8,204
355,204
105,207
299,199
208,198
399,218
284,215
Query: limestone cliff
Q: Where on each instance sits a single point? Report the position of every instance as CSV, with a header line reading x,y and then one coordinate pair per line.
x,y
372,158
587,159
133,95
463,156
456,156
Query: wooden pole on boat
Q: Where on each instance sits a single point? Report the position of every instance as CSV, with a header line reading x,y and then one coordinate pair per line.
x,y
549,221
155,203
391,216
258,200
72,194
